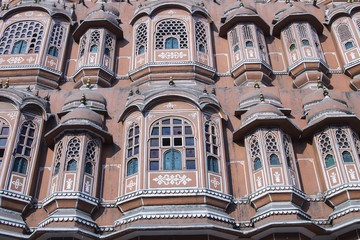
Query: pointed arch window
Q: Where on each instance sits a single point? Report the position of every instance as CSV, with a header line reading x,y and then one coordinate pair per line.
x,y
255,152
56,37
257,164
73,154
133,142
272,149
213,164
58,155
90,157
201,37
141,39
171,43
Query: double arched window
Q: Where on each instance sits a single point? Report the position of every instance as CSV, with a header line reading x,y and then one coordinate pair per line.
x,y
73,154
171,34
172,145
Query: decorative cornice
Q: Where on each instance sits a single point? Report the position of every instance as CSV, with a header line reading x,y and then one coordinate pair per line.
x,y
344,212
93,66
280,212
344,187
70,195
137,217
256,61
173,192
16,196
32,66
302,60
277,189
68,219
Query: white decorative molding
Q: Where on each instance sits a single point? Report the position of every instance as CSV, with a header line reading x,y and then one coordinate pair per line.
x,y
172,55
215,182
130,185
12,115
172,179
15,60
170,105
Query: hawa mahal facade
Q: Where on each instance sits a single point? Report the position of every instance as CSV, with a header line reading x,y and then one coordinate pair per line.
x,y
180,119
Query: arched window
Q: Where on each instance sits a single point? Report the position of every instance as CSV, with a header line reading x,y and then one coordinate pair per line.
x,y
201,37
82,46
53,51
71,165
26,138
4,132
90,157
94,48
133,144
346,156
329,160
20,165
73,154
172,160
171,28
107,52
171,43
292,47
257,164
349,45
89,168
213,165
305,42
19,47
141,39
249,44
236,48
344,32
288,152
22,37
58,155
274,159
57,168
132,167
56,37
171,139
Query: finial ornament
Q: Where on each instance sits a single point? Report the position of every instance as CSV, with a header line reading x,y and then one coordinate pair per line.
x,y
47,97
256,85
88,83
28,88
137,91
171,81
213,91
319,84
131,93
1,84
325,92
204,91
83,99
37,93
6,84
262,99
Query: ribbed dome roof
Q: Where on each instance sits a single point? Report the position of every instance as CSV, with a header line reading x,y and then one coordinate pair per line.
x,y
240,7
254,97
263,109
89,95
318,96
327,106
82,113
288,9
106,8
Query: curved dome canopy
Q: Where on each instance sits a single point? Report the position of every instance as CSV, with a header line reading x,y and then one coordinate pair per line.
x,y
291,13
240,12
327,106
318,96
253,97
345,9
101,15
80,114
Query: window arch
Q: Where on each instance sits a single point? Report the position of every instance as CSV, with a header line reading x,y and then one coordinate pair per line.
x,y
26,138
172,133
236,48
132,167
272,149
133,141
255,152
73,154
201,37
172,160
329,160
326,149
71,165
58,155
82,46
171,28
22,37
171,43
141,39
109,42
56,37
20,165
94,41
249,44
4,134
94,48
90,157
288,152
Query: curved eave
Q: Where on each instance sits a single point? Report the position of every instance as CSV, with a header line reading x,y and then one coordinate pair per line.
x,y
307,17
27,7
93,23
148,11
145,104
244,18
341,12
279,122
97,110
350,120
63,127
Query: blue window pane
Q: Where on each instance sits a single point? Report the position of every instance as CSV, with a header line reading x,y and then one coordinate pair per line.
x,y
213,164
20,165
165,130
189,141
19,47
349,45
88,168
257,164
141,50
155,131
3,142
57,168
154,165
132,167
190,164
329,160
107,52
274,159
347,156
305,42
172,160
94,48
249,44
71,165
171,43
53,51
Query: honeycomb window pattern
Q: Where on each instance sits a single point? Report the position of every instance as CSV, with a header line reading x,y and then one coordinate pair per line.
x,y
90,157
324,143
254,147
28,32
171,28
141,39
344,32
4,133
56,37
58,155
271,144
82,46
201,37
73,148
342,139
95,37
